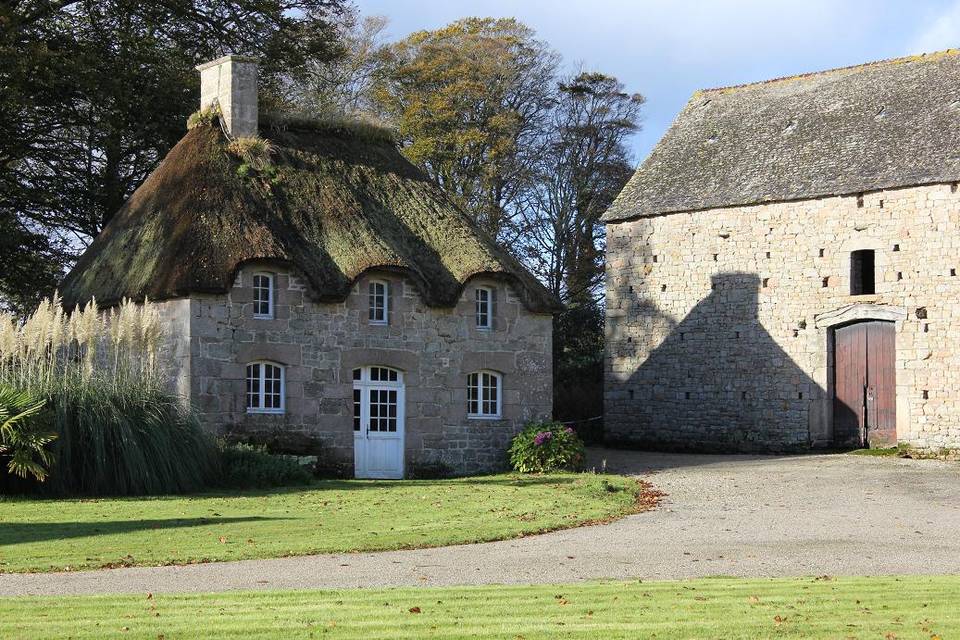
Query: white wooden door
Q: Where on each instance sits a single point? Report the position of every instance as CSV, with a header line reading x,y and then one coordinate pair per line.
x,y
378,423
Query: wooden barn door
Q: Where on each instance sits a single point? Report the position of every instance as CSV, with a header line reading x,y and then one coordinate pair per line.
x,y
865,402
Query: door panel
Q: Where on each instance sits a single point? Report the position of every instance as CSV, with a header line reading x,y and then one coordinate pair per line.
x,y
864,410
850,351
881,385
379,441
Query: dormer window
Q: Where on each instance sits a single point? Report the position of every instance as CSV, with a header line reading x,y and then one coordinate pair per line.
x,y
484,308
379,302
263,286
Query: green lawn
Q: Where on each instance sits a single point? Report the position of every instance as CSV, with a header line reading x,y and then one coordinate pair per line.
x,y
331,516
874,608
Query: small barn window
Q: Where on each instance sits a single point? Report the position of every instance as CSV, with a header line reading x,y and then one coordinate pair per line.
x,y
862,272
483,395
379,301
265,387
263,286
484,308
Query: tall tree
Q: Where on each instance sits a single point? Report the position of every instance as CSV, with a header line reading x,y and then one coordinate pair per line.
x,y
583,162
94,92
470,99
346,84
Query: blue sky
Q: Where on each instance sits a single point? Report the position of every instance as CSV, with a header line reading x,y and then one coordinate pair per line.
x,y
668,49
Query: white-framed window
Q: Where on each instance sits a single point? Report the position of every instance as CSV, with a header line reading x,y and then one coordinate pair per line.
x,y
484,308
266,387
484,394
379,296
263,295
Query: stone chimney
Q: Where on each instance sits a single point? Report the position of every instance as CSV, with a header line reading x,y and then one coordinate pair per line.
x,y
231,83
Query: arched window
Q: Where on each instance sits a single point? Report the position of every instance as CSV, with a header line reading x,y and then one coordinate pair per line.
x,y
484,394
263,296
379,295
266,387
484,308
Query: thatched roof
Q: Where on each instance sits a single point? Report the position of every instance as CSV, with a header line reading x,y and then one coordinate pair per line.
x,y
882,125
336,202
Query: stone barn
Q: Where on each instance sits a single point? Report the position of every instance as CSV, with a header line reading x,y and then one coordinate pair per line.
x,y
782,269
323,296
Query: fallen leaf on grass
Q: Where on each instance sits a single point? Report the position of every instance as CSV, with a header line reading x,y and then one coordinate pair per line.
x,y
415,610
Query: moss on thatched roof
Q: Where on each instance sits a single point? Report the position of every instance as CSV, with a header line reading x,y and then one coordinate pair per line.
x,y
336,201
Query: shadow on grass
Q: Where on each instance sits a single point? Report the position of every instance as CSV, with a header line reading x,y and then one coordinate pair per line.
x,y
12,533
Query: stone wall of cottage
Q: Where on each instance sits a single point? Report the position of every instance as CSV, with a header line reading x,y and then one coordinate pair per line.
x,y
321,343
719,321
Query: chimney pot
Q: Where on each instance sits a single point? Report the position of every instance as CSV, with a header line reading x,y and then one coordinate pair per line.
x,y
231,83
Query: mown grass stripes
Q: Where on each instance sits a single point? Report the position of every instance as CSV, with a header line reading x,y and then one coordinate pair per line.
x,y
882,608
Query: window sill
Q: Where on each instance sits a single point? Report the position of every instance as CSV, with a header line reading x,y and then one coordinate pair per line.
x,y
471,416
378,323
262,317
268,412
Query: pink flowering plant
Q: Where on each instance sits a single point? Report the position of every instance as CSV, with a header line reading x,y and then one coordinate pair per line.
x,y
547,446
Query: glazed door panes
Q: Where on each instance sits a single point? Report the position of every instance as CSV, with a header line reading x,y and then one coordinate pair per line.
x,y
383,410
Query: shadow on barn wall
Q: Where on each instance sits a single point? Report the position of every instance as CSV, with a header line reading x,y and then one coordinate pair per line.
x,y
718,381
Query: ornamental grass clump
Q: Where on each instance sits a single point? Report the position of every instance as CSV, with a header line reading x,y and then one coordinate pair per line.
x,y
117,429
547,446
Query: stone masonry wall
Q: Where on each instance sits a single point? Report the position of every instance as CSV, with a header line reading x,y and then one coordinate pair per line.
x,y
321,344
719,321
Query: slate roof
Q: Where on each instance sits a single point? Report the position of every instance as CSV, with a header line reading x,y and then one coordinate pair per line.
x,y
339,204
887,124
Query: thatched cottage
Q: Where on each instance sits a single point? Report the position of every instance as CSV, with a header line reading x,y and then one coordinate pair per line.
x,y
783,268
324,296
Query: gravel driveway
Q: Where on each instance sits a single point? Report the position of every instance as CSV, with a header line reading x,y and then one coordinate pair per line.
x,y
724,515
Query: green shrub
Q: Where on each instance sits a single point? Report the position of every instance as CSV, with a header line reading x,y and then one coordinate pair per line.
x,y
119,430
547,446
23,434
128,442
251,467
